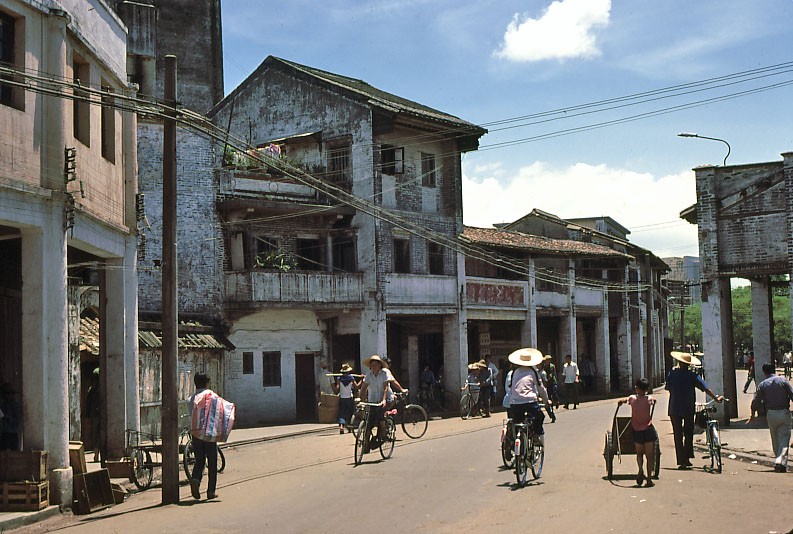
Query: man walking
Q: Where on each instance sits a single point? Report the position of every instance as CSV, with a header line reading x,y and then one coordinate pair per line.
x,y
570,373
776,393
682,383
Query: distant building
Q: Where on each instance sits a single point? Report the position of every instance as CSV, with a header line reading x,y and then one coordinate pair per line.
x,y
683,279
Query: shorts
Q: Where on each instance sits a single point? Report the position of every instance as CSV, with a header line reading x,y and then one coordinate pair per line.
x,y
648,435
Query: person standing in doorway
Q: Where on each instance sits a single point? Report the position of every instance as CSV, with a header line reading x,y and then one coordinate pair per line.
x,y
570,373
587,373
774,394
682,384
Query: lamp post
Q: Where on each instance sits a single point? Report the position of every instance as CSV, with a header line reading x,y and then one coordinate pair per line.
x,y
687,134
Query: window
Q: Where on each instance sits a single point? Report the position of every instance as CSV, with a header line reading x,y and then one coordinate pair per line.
x,y
344,254
108,126
247,363
339,162
10,30
435,256
309,255
428,170
392,159
81,110
401,255
271,369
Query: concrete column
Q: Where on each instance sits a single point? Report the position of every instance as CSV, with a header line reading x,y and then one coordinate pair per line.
x,y
45,350
717,342
413,367
603,347
652,324
455,354
762,324
53,108
373,327
638,321
329,253
528,332
625,341
568,338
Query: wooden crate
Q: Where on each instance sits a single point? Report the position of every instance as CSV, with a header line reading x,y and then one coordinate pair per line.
x,y
119,468
77,457
23,466
92,492
24,496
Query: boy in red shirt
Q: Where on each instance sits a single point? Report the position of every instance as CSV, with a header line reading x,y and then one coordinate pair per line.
x,y
644,434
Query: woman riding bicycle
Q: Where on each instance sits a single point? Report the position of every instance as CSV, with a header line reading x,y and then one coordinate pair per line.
x,y
526,389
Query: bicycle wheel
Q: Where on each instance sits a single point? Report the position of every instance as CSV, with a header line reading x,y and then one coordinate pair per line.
x,y
414,421
142,470
536,456
521,469
360,437
465,406
608,454
714,443
387,441
188,459
221,460
508,450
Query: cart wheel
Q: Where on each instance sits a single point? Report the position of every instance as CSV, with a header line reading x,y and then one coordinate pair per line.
x,y
608,454
142,469
657,461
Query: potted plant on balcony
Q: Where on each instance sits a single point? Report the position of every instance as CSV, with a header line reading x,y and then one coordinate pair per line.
x,y
274,260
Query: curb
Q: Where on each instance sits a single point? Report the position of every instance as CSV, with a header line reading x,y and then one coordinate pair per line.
x,y
262,439
741,456
21,519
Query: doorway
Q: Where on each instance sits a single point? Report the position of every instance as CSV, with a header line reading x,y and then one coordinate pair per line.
x,y
305,387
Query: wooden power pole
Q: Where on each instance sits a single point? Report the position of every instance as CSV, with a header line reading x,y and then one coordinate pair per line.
x,y
170,311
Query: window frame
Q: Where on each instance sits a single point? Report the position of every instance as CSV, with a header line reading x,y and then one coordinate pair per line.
x,y
429,170
435,258
108,125
392,159
401,255
81,111
247,363
339,151
12,52
271,368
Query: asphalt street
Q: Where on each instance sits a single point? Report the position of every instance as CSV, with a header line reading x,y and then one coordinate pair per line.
x,y
451,480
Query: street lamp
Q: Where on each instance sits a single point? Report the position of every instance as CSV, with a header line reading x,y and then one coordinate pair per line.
x,y
687,134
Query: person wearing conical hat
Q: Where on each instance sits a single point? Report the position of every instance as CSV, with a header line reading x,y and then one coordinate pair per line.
x,y
344,387
473,383
526,389
682,384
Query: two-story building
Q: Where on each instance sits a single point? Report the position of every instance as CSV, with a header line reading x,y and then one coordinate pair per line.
x,y
67,212
307,276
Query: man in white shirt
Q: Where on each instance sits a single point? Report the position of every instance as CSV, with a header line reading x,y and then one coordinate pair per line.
x,y
570,373
375,389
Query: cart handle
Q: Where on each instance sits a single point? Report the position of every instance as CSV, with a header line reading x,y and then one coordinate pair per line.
x,y
619,435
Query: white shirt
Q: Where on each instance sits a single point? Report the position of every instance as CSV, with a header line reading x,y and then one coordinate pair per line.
x,y
526,386
376,384
570,372
493,373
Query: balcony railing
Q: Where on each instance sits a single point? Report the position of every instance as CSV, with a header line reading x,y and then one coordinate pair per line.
x,y
421,290
299,288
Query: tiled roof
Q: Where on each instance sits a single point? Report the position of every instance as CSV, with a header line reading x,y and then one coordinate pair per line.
x,y
380,97
537,244
151,339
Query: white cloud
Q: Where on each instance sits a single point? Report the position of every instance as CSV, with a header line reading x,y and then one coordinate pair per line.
x,y
648,206
565,30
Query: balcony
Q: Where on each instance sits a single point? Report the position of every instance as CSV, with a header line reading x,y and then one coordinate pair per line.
x,y
260,287
421,290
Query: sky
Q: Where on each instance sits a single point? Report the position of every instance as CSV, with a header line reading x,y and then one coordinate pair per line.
x,y
493,62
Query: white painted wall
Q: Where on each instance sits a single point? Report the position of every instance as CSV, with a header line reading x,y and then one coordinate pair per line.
x,y
287,331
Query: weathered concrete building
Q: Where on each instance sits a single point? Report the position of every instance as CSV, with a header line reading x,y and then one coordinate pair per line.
x,y
744,215
356,285
590,293
67,205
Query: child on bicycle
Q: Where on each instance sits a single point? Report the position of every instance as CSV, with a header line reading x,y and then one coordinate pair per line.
x,y
644,434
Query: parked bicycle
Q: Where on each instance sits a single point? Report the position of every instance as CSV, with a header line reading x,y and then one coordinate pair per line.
x,y
364,441
529,451
469,403
712,435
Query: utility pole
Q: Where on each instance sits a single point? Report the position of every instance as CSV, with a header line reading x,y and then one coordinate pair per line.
x,y
170,311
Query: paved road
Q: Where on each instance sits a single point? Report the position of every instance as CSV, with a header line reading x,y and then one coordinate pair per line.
x,y
451,481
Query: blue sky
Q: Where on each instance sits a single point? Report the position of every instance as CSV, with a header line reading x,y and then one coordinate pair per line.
x,y
490,60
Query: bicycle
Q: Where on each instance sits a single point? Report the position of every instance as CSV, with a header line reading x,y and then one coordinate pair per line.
x,y
529,451
412,417
426,397
469,403
712,436
188,454
364,439
508,444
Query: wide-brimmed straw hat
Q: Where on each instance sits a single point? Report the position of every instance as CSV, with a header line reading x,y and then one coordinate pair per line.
x,y
686,358
375,358
476,365
526,357
547,357
345,368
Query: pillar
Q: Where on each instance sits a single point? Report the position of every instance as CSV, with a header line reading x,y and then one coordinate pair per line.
x,y
455,354
652,324
717,343
762,324
638,322
528,331
568,330
373,327
45,350
603,346
53,107
413,367
624,340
